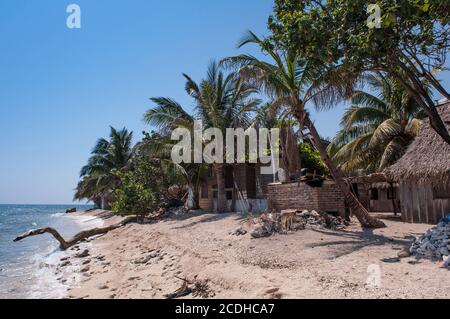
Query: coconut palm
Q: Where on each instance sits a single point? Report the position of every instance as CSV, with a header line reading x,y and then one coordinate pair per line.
x,y
293,82
159,149
108,156
220,101
377,128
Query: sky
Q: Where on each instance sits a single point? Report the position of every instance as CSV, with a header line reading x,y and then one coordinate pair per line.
x,y
61,88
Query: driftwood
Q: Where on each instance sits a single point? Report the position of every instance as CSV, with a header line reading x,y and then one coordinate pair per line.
x,y
64,245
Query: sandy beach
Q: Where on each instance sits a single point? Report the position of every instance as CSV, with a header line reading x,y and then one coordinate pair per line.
x,y
150,261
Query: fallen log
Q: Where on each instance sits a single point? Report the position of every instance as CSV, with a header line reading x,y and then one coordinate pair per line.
x,y
63,244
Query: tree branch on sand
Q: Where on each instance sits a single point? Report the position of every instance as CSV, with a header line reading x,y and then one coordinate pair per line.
x,y
64,245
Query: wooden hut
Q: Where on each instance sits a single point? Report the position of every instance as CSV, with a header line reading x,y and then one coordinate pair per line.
x,y
245,189
376,192
423,174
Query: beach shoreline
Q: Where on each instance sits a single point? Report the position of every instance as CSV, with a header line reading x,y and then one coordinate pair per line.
x,y
52,280
151,261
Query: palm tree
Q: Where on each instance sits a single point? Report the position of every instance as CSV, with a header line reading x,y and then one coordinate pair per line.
x,y
377,128
221,101
293,82
108,156
159,147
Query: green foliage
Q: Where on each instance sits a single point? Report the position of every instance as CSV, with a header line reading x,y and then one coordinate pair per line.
x,y
411,45
140,189
108,155
332,31
311,159
377,128
133,197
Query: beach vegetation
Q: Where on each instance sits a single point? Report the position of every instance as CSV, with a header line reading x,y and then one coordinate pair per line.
x,y
410,45
377,128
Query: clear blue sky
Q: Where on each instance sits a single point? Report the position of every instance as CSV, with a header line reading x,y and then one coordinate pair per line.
x,y
60,89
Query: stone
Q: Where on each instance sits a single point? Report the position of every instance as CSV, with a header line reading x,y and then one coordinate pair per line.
x,y
446,261
133,278
404,254
261,233
83,254
392,260
102,286
85,269
239,232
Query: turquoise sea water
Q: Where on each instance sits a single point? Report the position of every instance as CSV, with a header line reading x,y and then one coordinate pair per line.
x,y
27,267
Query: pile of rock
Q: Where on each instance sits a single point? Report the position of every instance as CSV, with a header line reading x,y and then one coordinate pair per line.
x,y
268,224
434,244
312,219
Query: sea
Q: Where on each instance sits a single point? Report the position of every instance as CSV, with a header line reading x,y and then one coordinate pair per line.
x,y
27,268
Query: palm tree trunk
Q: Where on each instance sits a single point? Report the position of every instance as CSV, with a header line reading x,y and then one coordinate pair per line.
x,y
221,196
356,207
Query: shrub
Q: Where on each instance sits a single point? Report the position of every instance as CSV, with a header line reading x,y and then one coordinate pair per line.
x,y
133,197
311,159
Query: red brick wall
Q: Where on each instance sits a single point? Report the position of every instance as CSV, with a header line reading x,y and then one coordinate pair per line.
x,y
303,197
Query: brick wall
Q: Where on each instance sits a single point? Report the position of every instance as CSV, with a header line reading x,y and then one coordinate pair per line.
x,y
303,197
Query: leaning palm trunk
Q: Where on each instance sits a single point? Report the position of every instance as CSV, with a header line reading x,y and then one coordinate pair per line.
x,y
221,196
290,155
356,207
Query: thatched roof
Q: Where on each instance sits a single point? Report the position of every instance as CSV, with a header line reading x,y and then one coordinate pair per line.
x,y
377,180
427,159
369,179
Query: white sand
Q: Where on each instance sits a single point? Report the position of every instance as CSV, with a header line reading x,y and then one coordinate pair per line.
x,y
306,264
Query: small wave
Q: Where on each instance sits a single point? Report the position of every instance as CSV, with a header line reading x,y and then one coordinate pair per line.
x,y
45,280
57,215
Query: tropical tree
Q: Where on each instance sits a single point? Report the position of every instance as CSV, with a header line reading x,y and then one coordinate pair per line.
x,y
99,175
409,41
377,128
221,100
294,82
158,148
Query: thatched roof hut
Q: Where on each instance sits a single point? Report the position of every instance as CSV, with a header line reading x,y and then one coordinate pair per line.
x,y
424,174
427,160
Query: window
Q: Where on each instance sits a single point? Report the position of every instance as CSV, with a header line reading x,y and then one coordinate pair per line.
x,y
392,193
205,194
441,192
374,194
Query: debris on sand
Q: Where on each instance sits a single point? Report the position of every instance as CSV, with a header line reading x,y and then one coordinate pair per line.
x,y
266,225
322,220
293,220
198,289
239,232
434,244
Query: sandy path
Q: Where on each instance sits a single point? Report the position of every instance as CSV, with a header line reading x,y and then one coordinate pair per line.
x,y
144,261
